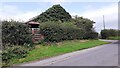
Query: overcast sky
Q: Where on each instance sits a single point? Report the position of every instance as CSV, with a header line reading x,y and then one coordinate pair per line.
x,y
24,10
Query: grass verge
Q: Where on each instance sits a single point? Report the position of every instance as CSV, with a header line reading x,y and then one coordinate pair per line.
x,y
114,38
42,52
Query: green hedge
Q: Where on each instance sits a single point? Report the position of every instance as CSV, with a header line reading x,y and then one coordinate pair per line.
x,y
109,33
13,52
16,40
15,33
56,31
91,35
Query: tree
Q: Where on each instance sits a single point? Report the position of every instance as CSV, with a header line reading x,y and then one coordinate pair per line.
x,y
87,26
55,13
84,23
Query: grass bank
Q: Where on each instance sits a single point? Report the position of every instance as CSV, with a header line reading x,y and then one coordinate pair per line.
x,y
42,52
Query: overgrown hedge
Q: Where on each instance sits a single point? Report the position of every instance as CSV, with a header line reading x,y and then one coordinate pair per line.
x,y
12,53
109,33
91,35
16,41
15,33
57,31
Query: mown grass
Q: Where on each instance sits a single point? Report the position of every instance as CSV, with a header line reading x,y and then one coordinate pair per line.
x,y
42,52
114,38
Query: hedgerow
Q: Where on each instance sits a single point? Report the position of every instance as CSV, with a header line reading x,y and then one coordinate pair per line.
x,y
15,33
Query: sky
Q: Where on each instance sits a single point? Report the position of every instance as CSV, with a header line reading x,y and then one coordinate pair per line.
x,y
24,10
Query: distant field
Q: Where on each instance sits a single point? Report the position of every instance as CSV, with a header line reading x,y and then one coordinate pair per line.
x,y
114,38
42,52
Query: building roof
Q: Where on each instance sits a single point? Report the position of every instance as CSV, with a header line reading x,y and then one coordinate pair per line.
x,y
33,22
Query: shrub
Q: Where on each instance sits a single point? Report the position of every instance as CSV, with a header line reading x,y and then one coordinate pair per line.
x,y
70,31
15,33
13,52
91,35
104,34
109,33
51,31
41,41
57,31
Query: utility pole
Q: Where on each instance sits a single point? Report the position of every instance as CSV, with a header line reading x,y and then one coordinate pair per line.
x,y
103,22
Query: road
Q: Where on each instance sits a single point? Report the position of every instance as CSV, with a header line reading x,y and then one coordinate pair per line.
x,y
105,55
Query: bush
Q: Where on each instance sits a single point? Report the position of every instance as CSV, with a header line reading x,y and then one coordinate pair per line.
x,y
104,34
57,31
91,35
70,31
109,33
13,52
15,33
51,31
41,41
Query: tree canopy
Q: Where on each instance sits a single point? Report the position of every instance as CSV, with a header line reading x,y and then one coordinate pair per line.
x,y
55,13
84,23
